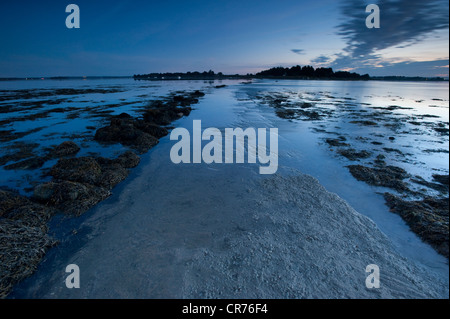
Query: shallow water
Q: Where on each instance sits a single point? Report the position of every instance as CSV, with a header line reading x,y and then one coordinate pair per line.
x,y
185,186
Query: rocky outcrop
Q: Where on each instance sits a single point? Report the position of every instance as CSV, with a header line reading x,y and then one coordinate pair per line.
x,y
428,218
387,176
23,238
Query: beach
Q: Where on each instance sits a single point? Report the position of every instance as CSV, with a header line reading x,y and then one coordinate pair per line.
x,y
349,152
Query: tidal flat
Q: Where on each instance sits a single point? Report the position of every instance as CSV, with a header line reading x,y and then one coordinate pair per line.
x,y
383,150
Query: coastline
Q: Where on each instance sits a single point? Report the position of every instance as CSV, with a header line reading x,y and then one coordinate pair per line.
x,y
234,235
97,166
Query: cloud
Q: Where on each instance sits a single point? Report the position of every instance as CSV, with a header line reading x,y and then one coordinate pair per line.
x,y
321,59
298,51
402,22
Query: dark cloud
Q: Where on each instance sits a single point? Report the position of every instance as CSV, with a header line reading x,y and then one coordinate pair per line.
x,y
298,51
321,59
401,22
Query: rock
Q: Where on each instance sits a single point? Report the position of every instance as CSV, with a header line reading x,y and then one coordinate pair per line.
x,y
164,116
80,169
70,197
67,148
112,175
365,122
16,207
98,171
336,142
112,172
197,93
152,129
31,163
142,134
442,179
124,129
353,154
124,115
310,115
440,187
19,151
390,150
22,248
79,183
43,192
380,160
286,114
442,130
128,159
185,110
184,100
144,142
305,105
429,218
386,176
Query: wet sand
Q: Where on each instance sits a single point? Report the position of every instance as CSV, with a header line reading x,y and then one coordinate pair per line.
x,y
193,232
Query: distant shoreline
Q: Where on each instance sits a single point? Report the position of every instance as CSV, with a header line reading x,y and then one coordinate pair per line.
x,y
231,77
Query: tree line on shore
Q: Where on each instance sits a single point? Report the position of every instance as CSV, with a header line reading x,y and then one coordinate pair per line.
x,y
307,72
310,73
295,72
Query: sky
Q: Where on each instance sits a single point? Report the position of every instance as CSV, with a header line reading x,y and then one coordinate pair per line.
x,y
230,36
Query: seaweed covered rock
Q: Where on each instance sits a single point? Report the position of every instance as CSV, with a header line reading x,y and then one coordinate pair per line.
x,y
387,176
429,218
142,134
70,197
80,183
28,164
67,148
23,238
184,100
165,115
197,93
123,129
144,142
97,171
128,159
116,170
79,169
442,179
336,141
18,151
22,249
151,128
353,154
14,206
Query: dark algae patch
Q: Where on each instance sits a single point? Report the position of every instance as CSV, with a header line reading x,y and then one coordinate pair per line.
x,y
23,238
388,176
353,154
428,218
